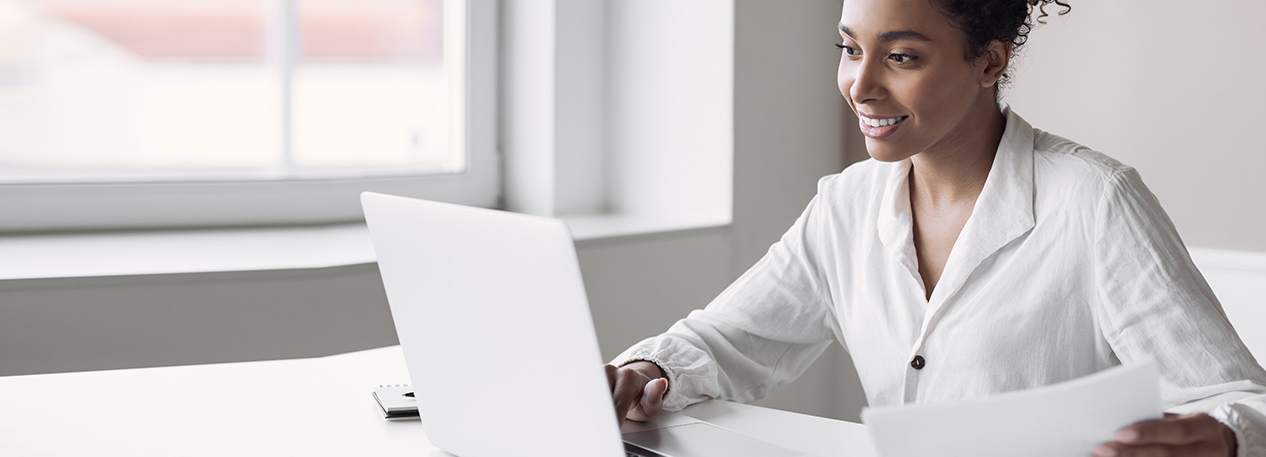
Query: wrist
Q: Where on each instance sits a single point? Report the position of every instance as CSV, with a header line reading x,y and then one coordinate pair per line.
x,y
647,368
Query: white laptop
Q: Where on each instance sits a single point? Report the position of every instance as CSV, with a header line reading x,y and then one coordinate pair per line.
x,y
497,336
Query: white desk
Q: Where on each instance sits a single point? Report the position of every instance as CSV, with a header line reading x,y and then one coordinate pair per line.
x,y
319,406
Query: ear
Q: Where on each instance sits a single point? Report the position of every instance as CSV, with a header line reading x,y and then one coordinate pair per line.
x,y
996,57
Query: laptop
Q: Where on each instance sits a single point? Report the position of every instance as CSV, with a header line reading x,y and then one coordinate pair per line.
x,y
498,339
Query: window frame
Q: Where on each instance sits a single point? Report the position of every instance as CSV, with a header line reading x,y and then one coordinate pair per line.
x,y
298,200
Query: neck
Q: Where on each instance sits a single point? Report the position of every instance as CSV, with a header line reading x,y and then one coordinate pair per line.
x,y
955,172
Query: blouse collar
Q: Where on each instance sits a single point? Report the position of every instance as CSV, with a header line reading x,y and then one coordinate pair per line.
x,y
1003,211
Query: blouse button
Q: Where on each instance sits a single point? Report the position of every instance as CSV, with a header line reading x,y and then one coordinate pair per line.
x,y
918,362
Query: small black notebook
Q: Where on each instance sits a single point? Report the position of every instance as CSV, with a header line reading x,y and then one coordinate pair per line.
x,y
397,402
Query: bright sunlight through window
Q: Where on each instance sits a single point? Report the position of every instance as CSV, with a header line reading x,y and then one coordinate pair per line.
x,y
175,90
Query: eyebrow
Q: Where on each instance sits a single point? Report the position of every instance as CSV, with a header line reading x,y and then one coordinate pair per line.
x,y
895,35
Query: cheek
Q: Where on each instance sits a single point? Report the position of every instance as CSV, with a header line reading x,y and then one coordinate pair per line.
x,y
937,100
844,79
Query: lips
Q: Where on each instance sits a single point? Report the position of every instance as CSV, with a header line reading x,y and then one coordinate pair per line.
x,y
879,127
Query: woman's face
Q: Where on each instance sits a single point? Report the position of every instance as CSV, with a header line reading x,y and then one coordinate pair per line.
x,y
903,64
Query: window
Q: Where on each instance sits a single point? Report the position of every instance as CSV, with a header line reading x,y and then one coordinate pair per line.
x,y
161,113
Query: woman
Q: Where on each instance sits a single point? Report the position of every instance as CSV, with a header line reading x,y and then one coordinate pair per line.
x,y
973,255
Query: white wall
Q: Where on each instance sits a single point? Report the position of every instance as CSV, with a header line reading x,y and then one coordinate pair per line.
x,y
615,107
1173,88
670,107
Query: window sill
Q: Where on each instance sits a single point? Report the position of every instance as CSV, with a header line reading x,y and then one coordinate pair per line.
x,y
588,229
142,253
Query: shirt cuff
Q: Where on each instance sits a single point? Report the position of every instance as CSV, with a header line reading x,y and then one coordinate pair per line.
x,y
1248,425
673,399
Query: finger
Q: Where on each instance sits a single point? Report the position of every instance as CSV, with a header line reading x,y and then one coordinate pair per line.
x,y
1112,449
627,393
1177,430
657,388
1115,449
611,371
652,401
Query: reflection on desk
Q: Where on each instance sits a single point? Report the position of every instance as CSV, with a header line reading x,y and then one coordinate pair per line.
x,y
318,406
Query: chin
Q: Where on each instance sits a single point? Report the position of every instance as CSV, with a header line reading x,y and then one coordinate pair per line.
x,y
885,152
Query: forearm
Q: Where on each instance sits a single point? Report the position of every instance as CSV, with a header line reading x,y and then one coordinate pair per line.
x,y
704,358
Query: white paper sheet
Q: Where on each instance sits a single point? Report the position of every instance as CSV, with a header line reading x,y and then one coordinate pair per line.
x,y
1068,419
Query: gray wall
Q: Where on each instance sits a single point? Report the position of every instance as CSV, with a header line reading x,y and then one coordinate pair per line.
x,y
78,324
789,122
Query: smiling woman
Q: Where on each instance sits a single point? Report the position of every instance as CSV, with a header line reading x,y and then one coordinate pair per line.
x,y
973,255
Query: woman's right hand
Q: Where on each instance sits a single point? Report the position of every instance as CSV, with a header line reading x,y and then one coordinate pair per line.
x,y
638,390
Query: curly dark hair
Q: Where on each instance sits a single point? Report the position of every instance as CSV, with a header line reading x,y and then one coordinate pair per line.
x,y
984,21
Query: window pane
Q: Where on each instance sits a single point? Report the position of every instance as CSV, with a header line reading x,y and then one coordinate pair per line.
x,y
94,89
171,89
370,87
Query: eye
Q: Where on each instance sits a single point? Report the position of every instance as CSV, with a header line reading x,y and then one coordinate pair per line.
x,y
848,50
901,58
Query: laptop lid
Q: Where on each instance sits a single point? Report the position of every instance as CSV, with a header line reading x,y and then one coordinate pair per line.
x,y
495,327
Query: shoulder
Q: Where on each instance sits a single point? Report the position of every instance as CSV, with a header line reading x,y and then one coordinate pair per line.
x,y
1073,179
1053,154
1065,167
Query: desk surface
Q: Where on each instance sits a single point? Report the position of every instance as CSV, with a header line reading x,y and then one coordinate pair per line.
x,y
320,406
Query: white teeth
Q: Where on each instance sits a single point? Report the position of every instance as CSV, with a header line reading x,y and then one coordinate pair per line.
x,y
882,122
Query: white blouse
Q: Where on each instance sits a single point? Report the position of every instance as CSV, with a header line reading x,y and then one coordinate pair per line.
x,y
1067,266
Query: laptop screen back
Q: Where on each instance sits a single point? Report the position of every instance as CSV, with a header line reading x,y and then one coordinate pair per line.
x,y
492,316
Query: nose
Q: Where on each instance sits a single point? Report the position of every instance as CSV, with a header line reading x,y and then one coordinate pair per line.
x,y
862,80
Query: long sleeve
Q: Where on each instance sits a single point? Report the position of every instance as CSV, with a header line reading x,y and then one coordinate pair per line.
x,y
763,331
1154,302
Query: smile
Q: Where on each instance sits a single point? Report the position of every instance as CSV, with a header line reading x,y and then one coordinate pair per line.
x,y
883,122
879,127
